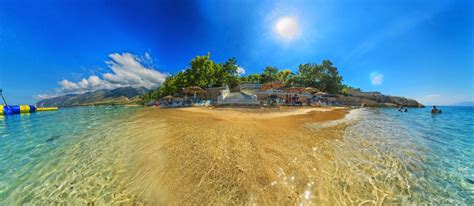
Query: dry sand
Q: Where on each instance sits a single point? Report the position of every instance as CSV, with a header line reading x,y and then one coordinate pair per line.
x,y
235,156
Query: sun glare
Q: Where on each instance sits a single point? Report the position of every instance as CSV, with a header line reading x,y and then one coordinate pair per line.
x,y
287,28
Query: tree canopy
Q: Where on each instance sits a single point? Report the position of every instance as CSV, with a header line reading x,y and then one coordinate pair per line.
x,y
201,72
270,74
324,77
204,72
285,75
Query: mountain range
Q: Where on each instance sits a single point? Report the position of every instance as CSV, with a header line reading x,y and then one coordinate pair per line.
x,y
122,95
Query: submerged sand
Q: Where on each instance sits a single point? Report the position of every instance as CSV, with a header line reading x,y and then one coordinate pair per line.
x,y
235,156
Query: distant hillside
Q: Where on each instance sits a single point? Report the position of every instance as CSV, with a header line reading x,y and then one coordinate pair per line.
x,y
464,104
122,95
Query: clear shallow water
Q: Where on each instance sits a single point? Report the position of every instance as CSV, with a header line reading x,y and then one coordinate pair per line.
x,y
84,155
424,158
53,157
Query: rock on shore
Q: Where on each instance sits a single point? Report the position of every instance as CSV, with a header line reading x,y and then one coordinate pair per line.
x,y
373,99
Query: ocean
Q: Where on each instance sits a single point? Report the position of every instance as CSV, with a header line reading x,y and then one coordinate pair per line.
x,y
95,155
430,154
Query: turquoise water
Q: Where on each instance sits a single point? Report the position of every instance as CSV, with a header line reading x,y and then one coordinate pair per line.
x,y
431,157
53,157
79,154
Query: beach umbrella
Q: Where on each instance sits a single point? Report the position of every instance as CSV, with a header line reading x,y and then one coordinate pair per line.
x,y
167,97
193,90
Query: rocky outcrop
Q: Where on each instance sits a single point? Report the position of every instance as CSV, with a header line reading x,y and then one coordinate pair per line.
x,y
373,99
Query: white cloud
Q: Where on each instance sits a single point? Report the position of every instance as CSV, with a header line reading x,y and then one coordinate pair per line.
x,y
90,84
376,78
45,96
240,71
125,70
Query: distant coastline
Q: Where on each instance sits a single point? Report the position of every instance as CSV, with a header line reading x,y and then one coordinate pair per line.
x,y
118,96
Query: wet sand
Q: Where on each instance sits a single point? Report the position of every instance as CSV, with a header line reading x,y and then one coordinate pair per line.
x,y
234,156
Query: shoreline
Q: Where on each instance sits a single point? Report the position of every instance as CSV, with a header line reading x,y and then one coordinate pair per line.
x,y
262,113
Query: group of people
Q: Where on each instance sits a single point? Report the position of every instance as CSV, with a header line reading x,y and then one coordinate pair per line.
x,y
293,100
434,110
402,109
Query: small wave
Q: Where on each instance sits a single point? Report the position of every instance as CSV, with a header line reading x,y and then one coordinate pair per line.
x,y
353,116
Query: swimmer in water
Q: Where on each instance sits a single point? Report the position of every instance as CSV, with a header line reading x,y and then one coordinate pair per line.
x,y
435,110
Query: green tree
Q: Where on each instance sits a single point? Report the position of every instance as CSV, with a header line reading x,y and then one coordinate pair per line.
x,y
346,89
229,74
202,73
171,85
331,81
150,95
270,74
324,77
254,78
309,75
285,75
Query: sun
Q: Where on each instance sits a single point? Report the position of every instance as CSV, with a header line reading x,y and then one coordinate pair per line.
x,y
287,28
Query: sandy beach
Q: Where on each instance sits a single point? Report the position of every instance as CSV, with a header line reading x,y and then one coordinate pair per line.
x,y
326,113
233,156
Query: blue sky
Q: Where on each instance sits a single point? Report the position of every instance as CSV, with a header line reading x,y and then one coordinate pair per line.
x,y
417,49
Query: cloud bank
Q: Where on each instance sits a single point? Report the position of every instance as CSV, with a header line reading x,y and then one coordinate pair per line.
x,y
126,70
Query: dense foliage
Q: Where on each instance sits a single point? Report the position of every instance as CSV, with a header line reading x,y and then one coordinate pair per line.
x,y
324,77
204,72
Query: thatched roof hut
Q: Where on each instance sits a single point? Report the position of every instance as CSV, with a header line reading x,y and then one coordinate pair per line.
x,y
194,90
